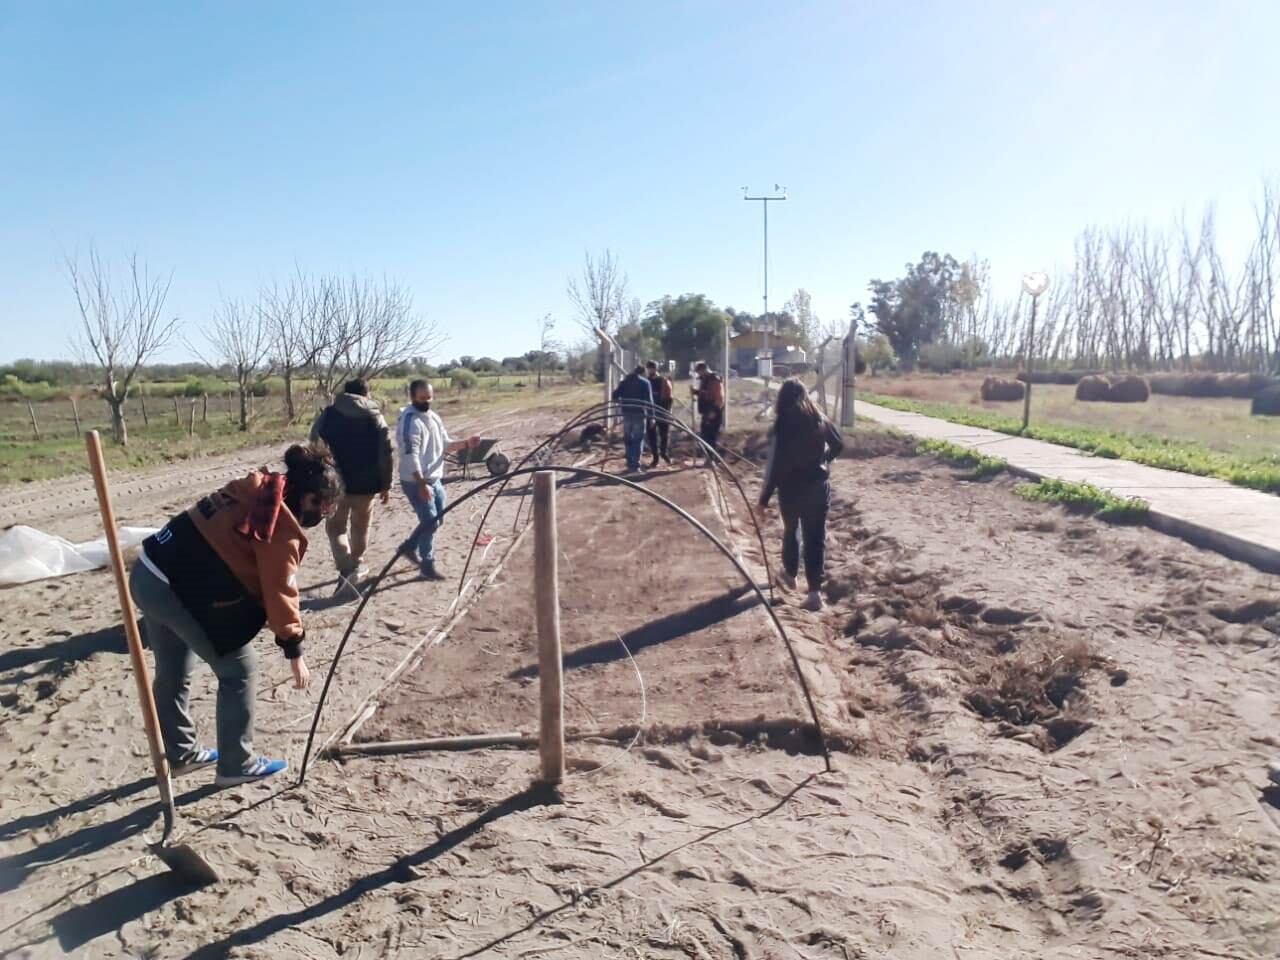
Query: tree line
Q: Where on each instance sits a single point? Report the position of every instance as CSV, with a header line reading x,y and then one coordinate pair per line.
x,y
1134,297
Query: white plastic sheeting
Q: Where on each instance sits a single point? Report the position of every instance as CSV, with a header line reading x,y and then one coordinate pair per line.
x,y
27,554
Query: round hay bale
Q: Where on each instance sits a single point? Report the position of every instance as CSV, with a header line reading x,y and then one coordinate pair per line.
x,y
999,389
1266,403
1093,388
1129,389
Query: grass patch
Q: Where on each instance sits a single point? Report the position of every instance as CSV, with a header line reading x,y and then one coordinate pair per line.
x,y
980,464
1258,473
1087,498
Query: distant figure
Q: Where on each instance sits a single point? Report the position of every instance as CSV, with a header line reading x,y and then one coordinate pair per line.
x,y
424,443
636,397
801,444
208,581
710,395
354,429
659,434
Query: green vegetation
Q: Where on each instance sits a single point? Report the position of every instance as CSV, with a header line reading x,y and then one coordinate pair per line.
x,y
1258,473
1086,497
980,464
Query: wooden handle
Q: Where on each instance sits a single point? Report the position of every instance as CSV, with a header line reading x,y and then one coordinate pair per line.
x,y
141,675
546,592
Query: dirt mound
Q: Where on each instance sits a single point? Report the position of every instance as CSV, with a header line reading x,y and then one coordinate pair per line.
x,y
1092,388
1000,389
1266,403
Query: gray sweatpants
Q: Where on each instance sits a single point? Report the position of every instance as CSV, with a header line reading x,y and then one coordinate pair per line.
x,y
176,639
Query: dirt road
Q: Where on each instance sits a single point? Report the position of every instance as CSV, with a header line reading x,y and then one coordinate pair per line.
x,y
1052,735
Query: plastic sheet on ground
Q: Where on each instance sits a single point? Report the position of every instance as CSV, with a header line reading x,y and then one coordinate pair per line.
x,y
27,554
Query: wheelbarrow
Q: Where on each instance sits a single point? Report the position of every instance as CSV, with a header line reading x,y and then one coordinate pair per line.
x,y
485,452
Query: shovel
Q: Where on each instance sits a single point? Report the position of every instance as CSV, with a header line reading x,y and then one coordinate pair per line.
x,y
179,857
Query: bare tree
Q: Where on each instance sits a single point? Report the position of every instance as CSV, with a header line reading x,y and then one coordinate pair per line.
x,y
361,327
120,329
293,312
241,339
600,294
547,345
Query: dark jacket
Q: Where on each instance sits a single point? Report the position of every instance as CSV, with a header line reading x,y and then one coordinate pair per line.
x,y
354,429
635,394
710,394
799,458
662,391
232,583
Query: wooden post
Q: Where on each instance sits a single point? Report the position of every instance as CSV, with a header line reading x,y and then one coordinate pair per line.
x,y
546,592
142,398
75,412
204,410
191,423
177,414
35,427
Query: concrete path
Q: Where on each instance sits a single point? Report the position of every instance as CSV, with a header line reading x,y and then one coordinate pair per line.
x,y
1243,524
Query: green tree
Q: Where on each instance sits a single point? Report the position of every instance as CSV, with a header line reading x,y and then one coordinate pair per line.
x,y
692,329
913,310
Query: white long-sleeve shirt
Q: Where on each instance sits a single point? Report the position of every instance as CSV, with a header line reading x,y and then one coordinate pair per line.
x,y
422,441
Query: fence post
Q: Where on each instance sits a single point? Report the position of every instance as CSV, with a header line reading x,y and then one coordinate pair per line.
x,y
191,424
35,427
142,399
75,412
177,414
546,591
204,411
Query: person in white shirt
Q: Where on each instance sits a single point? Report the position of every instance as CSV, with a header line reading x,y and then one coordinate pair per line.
x,y
423,442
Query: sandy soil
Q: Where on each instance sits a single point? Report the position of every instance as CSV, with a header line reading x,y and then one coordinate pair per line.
x,y
1053,733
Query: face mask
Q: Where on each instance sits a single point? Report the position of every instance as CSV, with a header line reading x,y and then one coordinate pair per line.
x,y
422,406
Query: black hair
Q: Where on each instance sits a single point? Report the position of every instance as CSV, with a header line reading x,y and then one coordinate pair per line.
x,y
357,386
416,385
652,364
639,370
794,412
309,469
701,365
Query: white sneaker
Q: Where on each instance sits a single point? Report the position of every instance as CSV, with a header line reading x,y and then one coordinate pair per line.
x,y
813,602
1273,772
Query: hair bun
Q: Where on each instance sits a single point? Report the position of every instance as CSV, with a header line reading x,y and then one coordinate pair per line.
x,y
295,458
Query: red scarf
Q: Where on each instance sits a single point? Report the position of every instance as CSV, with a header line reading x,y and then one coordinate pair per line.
x,y
260,522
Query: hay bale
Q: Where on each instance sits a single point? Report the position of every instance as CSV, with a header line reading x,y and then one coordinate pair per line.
x,y
1266,403
1128,388
1093,388
1000,389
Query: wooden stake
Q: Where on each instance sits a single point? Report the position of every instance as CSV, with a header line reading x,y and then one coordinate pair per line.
x,y
142,398
35,427
191,423
546,591
204,411
177,414
75,412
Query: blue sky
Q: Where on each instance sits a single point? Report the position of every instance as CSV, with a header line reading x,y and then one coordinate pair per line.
x,y
475,151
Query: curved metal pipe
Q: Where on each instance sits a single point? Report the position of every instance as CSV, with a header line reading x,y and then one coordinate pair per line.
x,y
604,411
600,475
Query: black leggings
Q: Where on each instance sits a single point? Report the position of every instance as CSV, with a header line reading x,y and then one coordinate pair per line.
x,y
804,512
658,438
709,428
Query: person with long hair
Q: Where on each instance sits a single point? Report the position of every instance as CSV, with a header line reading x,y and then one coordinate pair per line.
x,y
802,442
208,581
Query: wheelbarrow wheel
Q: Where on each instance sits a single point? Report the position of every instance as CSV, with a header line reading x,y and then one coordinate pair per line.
x,y
498,464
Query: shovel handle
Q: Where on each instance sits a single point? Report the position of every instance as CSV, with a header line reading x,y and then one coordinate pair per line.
x,y
141,675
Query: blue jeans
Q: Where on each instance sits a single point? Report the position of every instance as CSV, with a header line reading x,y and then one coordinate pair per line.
x,y
633,426
429,510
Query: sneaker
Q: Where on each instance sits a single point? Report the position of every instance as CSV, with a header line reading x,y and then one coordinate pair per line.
x,y
1273,772
196,759
668,459
429,572
258,769
409,551
653,464
361,572
787,580
813,602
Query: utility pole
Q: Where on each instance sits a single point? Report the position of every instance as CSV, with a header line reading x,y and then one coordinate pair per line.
x,y
780,194
1033,284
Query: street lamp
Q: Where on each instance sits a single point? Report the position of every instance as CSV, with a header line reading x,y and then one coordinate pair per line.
x,y
1033,284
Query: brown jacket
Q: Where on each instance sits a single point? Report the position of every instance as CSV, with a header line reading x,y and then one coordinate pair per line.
x,y
268,569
